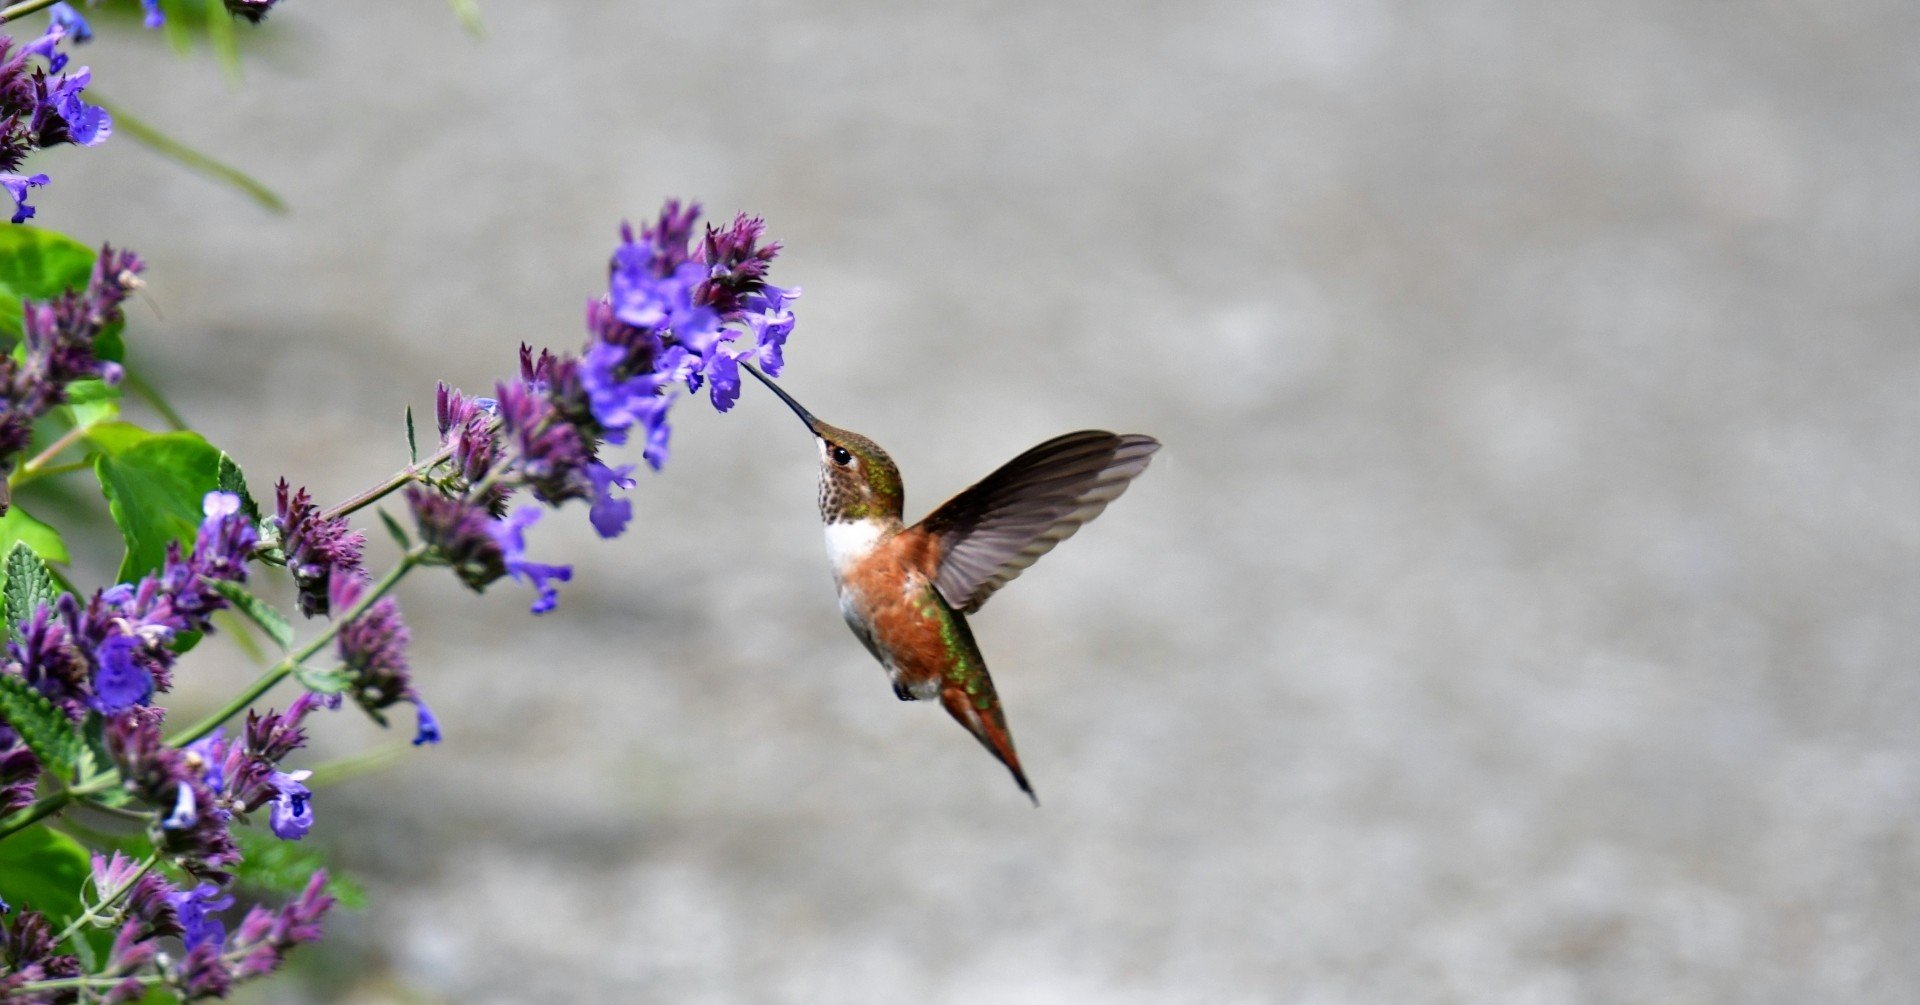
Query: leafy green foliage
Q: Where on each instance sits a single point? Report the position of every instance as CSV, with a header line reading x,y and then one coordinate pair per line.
x,y
284,867
43,728
155,485
331,681
29,585
93,402
232,479
18,527
45,870
257,611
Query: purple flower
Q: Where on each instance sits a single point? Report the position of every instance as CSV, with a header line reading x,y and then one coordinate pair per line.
x,y
609,515
771,319
426,727
317,548
619,403
155,16
461,532
510,534
85,125
119,681
198,910
466,425
374,647
292,815
63,16
16,186
265,936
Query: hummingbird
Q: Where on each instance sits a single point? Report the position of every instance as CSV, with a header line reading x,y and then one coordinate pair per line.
x,y
906,591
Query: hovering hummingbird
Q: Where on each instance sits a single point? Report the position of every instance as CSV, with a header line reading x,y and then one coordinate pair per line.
x,y
906,591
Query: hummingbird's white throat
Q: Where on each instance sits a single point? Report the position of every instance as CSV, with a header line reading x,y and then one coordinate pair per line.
x,y
849,541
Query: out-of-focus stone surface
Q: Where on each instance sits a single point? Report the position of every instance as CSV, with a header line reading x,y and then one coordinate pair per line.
x,y
1523,608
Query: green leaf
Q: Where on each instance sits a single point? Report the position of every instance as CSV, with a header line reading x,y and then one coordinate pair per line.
x,y
257,611
155,489
93,402
193,160
394,528
231,479
330,681
413,445
44,870
270,865
117,437
29,585
37,265
43,728
19,527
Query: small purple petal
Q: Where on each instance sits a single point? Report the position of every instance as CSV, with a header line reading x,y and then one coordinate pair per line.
x,y
428,728
119,681
608,514
16,186
292,814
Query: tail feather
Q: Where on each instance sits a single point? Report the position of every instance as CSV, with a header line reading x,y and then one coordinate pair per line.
x,y
983,718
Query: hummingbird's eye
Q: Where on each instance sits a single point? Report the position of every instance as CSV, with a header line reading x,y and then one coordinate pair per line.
x,y
841,456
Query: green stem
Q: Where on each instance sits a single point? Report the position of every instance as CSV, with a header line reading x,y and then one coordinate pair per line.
x,y
48,805
107,898
39,460
279,671
63,983
23,8
378,492
28,477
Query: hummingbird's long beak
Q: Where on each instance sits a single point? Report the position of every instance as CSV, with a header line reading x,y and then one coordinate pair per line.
x,y
805,416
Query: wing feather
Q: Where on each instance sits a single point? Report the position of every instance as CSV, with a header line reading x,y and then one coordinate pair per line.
x,y
993,530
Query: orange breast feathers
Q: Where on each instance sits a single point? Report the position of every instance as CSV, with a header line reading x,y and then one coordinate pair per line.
x,y
892,587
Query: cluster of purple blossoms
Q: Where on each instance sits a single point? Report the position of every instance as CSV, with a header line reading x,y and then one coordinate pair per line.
x,y
318,549
147,909
110,654
41,106
677,311
58,348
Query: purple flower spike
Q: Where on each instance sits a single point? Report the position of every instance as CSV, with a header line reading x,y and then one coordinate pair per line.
x,y
427,728
510,533
119,682
16,186
155,16
608,514
318,549
292,815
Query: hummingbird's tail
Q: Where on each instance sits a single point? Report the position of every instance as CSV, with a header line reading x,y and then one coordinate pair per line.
x,y
983,718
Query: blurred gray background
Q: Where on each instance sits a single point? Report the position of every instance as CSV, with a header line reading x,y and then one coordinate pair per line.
x,y
1523,608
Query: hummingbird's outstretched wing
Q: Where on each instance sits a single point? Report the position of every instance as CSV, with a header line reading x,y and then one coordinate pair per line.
x,y
1003,524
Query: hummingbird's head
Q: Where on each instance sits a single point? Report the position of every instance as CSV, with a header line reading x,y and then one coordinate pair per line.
x,y
858,481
